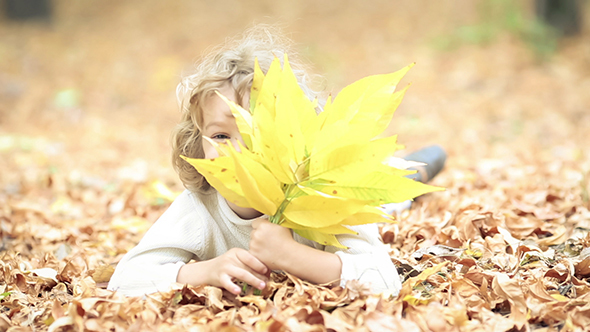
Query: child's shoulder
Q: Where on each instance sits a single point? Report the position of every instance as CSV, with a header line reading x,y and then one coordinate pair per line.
x,y
189,198
189,206
196,202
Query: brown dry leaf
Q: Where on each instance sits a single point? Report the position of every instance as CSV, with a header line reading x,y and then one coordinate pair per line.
x,y
580,316
544,213
407,287
103,273
378,321
510,290
4,322
559,235
437,250
57,311
214,296
335,323
583,268
258,301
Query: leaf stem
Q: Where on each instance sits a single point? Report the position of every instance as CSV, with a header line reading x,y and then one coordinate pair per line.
x,y
277,218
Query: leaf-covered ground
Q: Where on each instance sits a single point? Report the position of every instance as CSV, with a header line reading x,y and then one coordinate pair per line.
x,y
87,104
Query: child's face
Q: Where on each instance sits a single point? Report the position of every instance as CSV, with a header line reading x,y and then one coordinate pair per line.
x,y
218,122
220,125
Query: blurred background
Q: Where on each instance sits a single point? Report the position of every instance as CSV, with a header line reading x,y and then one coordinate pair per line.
x,y
87,88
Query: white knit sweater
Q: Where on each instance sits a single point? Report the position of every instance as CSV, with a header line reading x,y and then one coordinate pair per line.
x,y
203,226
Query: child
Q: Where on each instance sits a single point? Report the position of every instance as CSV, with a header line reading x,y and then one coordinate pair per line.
x,y
204,239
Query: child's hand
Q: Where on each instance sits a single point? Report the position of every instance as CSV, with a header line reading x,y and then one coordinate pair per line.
x,y
274,246
271,243
222,271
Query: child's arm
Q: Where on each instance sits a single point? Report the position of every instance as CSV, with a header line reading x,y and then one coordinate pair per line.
x,y
366,259
220,271
187,231
274,245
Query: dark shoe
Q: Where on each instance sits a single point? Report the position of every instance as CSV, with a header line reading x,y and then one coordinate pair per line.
x,y
433,156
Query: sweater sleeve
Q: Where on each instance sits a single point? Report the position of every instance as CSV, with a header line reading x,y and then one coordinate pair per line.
x,y
367,260
153,265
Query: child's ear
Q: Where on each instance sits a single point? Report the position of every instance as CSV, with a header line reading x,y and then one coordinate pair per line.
x,y
193,99
246,100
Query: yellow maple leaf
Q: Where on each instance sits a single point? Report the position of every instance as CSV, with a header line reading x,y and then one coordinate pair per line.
x,y
314,173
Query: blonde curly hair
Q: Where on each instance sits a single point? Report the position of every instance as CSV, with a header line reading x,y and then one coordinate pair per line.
x,y
233,63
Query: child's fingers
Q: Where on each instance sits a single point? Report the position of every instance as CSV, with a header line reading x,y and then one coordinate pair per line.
x,y
248,277
262,277
252,262
260,220
226,282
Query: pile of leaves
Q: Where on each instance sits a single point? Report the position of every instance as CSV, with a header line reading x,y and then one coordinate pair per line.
x,y
522,262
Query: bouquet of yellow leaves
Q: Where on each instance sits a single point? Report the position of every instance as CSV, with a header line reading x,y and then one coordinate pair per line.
x,y
314,173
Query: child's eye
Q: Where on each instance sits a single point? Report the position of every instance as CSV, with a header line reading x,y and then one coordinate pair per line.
x,y
220,137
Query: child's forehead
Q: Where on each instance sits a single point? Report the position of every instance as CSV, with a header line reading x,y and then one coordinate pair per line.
x,y
216,109
213,103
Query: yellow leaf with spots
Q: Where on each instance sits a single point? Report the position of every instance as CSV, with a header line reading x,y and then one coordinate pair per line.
x,y
221,174
320,211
